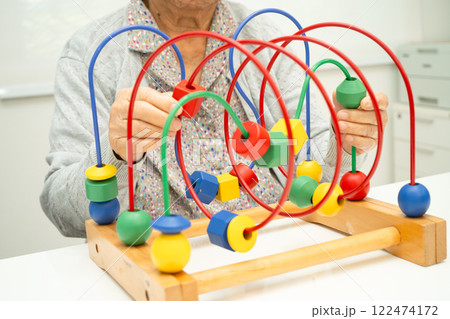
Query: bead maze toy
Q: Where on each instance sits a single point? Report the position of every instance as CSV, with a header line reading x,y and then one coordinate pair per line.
x,y
149,265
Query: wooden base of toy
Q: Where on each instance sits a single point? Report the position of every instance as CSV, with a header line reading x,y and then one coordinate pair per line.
x,y
372,224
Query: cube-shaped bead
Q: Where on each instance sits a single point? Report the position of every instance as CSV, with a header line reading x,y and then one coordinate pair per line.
x,y
217,229
298,132
228,187
277,154
205,186
182,89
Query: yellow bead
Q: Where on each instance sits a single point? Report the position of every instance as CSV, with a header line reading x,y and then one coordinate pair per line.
x,y
298,132
170,252
96,173
311,169
228,187
333,205
236,238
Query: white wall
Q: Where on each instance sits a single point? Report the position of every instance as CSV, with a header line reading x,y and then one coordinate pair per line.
x,y
33,35
37,30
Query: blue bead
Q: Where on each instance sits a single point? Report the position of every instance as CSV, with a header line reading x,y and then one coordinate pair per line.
x,y
205,186
217,229
172,224
414,200
104,213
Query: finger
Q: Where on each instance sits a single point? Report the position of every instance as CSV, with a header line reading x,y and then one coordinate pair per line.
x,y
364,130
337,105
382,101
146,112
162,101
361,116
145,130
362,144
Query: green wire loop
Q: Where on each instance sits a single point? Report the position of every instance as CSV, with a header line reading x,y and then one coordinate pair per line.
x,y
165,132
308,79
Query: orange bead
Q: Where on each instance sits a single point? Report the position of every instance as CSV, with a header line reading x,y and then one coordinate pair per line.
x,y
334,203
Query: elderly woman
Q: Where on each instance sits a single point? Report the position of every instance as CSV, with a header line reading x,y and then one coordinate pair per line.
x,y
72,143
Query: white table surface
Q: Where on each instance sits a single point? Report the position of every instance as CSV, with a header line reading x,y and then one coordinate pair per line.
x,y
69,274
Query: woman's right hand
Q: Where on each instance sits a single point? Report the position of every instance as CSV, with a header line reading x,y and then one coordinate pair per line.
x,y
151,109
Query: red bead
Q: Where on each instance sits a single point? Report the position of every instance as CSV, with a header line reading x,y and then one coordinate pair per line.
x,y
247,174
257,143
351,181
192,107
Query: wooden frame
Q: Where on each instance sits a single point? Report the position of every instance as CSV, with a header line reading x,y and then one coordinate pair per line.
x,y
372,224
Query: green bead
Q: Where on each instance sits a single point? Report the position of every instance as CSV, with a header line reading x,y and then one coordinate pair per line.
x,y
133,228
101,191
302,191
277,154
350,93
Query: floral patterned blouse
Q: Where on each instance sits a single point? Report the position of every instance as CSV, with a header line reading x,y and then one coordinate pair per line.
x,y
202,136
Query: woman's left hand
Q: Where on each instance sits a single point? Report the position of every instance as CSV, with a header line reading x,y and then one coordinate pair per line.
x,y
359,126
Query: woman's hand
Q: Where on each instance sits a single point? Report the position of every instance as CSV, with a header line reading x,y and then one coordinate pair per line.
x,y
359,126
151,109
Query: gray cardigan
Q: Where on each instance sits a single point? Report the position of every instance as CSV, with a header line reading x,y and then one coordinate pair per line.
x,y
63,197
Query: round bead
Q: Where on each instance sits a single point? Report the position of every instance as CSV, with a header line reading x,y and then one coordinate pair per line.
x,y
247,173
205,186
95,173
333,205
236,238
101,191
172,224
104,213
257,143
311,169
133,228
217,228
414,200
170,252
350,93
351,181
302,191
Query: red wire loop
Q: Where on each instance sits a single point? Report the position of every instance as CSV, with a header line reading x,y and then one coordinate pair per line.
x,y
267,78
236,44
299,36
274,211
331,108
404,77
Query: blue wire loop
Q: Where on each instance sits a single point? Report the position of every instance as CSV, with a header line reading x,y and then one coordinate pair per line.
x,y
91,75
238,87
